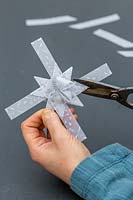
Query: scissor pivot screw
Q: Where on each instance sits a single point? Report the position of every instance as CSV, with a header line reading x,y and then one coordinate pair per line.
x,y
115,96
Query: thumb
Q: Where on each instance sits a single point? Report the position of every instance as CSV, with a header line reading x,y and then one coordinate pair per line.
x,y
53,123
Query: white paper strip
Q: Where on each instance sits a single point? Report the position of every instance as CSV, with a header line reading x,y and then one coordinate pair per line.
x,y
96,22
49,21
72,125
23,105
46,57
128,54
98,74
113,38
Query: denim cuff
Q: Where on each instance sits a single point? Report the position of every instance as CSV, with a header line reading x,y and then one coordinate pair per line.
x,y
88,171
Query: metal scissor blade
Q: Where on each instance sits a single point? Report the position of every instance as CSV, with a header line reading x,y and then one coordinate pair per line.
x,y
107,91
95,84
97,89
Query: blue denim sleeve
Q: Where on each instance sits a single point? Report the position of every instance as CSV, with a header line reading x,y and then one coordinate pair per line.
x,y
105,175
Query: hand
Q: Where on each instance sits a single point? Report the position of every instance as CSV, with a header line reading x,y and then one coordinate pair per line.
x,y
60,154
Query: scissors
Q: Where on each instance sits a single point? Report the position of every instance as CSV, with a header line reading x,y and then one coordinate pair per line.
x,y
106,91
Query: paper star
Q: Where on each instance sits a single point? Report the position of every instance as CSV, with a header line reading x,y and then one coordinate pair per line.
x,y
58,91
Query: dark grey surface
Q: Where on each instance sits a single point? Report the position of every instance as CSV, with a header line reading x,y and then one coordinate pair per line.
x,y
103,121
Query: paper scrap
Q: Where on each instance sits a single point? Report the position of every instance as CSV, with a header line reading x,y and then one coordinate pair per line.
x,y
50,21
113,38
128,54
96,22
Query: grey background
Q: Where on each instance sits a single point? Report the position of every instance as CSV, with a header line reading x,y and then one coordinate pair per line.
x,y
104,122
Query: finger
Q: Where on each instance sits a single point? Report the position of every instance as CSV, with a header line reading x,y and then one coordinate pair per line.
x,y
72,110
32,127
75,117
53,124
